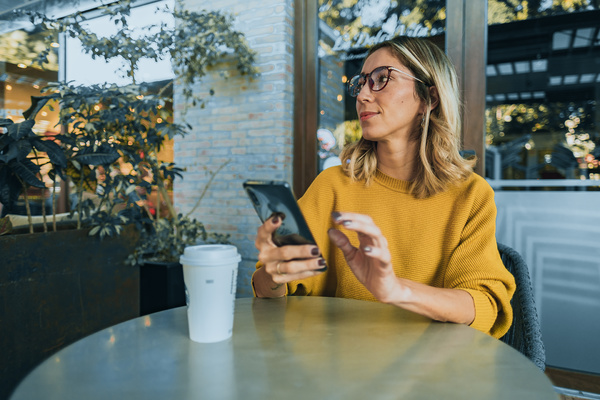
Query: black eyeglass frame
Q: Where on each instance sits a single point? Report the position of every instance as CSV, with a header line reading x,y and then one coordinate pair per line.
x,y
354,88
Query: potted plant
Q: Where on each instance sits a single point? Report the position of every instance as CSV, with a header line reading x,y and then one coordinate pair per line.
x,y
104,128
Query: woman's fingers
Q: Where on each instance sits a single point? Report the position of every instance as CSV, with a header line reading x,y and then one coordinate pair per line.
x,y
264,235
363,225
268,254
286,271
372,243
343,243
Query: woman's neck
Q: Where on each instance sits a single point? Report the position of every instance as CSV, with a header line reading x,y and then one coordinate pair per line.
x,y
397,161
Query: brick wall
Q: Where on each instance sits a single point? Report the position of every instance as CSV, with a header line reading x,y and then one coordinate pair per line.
x,y
248,122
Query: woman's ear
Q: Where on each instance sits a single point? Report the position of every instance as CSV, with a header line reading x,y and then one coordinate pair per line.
x,y
435,97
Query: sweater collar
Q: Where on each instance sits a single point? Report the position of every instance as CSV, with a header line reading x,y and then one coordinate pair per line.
x,y
392,183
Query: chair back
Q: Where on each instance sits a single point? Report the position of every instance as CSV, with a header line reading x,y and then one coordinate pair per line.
x,y
525,333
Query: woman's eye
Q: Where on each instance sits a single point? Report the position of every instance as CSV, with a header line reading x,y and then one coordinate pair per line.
x,y
381,79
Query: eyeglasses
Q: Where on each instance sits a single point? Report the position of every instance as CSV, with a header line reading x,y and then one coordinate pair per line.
x,y
378,79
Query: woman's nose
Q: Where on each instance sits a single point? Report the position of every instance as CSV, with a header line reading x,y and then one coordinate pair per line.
x,y
365,93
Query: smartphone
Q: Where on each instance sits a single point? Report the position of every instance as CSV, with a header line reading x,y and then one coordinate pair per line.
x,y
269,197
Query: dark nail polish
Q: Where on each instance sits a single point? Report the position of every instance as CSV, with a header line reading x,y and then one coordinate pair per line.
x,y
275,220
314,251
322,263
336,215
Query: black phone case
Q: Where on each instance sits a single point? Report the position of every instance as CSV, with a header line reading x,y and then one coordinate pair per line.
x,y
270,197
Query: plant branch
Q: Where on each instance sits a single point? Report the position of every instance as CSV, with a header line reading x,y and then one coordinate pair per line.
x,y
29,219
207,186
163,192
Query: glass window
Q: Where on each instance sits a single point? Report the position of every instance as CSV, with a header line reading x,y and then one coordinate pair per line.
x,y
346,30
542,94
542,151
82,68
21,78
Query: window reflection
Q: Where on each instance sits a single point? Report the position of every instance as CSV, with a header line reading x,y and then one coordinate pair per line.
x,y
82,68
21,77
542,93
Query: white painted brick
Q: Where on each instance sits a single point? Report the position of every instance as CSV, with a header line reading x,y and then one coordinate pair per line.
x,y
248,122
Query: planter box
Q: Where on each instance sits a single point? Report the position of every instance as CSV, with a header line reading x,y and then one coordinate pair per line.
x,y
56,288
161,287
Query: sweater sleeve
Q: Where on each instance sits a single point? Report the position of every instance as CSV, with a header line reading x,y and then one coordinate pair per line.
x,y
316,204
476,267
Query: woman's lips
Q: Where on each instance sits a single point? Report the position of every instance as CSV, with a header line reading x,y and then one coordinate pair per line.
x,y
367,115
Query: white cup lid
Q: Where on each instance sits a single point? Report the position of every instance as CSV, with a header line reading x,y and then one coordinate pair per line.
x,y
209,255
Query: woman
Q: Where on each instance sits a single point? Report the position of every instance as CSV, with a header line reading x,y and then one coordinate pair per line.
x,y
404,220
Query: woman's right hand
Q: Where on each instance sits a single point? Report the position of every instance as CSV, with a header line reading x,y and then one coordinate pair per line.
x,y
282,264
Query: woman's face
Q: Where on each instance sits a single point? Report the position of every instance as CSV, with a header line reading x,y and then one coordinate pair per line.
x,y
394,112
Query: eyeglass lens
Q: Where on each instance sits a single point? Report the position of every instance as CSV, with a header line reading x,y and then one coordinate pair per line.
x,y
377,79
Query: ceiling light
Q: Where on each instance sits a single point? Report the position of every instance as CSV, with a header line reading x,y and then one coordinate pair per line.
x,y
583,37
571,79
561,40
555,80
505,69
587,78
522,67
540,65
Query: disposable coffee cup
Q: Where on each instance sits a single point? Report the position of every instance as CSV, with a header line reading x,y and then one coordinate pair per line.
x,y
210,277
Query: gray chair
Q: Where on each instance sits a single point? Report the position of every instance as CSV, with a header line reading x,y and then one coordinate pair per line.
x,y
524,334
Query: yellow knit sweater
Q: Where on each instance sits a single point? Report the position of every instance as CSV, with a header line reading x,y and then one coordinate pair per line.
x,y
446,240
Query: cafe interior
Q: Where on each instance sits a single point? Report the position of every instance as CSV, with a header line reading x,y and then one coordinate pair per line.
x,y
529,73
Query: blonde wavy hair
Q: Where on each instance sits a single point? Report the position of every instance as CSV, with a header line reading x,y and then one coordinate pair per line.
x,y
439,163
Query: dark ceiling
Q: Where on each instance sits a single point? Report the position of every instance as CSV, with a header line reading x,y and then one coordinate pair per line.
x,y
552,58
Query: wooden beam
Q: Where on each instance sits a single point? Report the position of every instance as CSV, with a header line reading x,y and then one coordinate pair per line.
x,y
474,79
305,95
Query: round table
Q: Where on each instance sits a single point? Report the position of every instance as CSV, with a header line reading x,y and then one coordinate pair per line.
x,y
290,348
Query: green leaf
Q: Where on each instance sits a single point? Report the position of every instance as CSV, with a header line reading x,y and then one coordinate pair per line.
x,y
10,186
37,103
4,122
21,129
53,150
27,171
104,155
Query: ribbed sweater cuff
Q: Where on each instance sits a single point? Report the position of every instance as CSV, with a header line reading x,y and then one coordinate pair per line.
x,y
485,315
259,265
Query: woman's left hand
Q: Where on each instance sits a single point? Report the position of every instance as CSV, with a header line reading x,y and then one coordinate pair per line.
x,y
371,261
